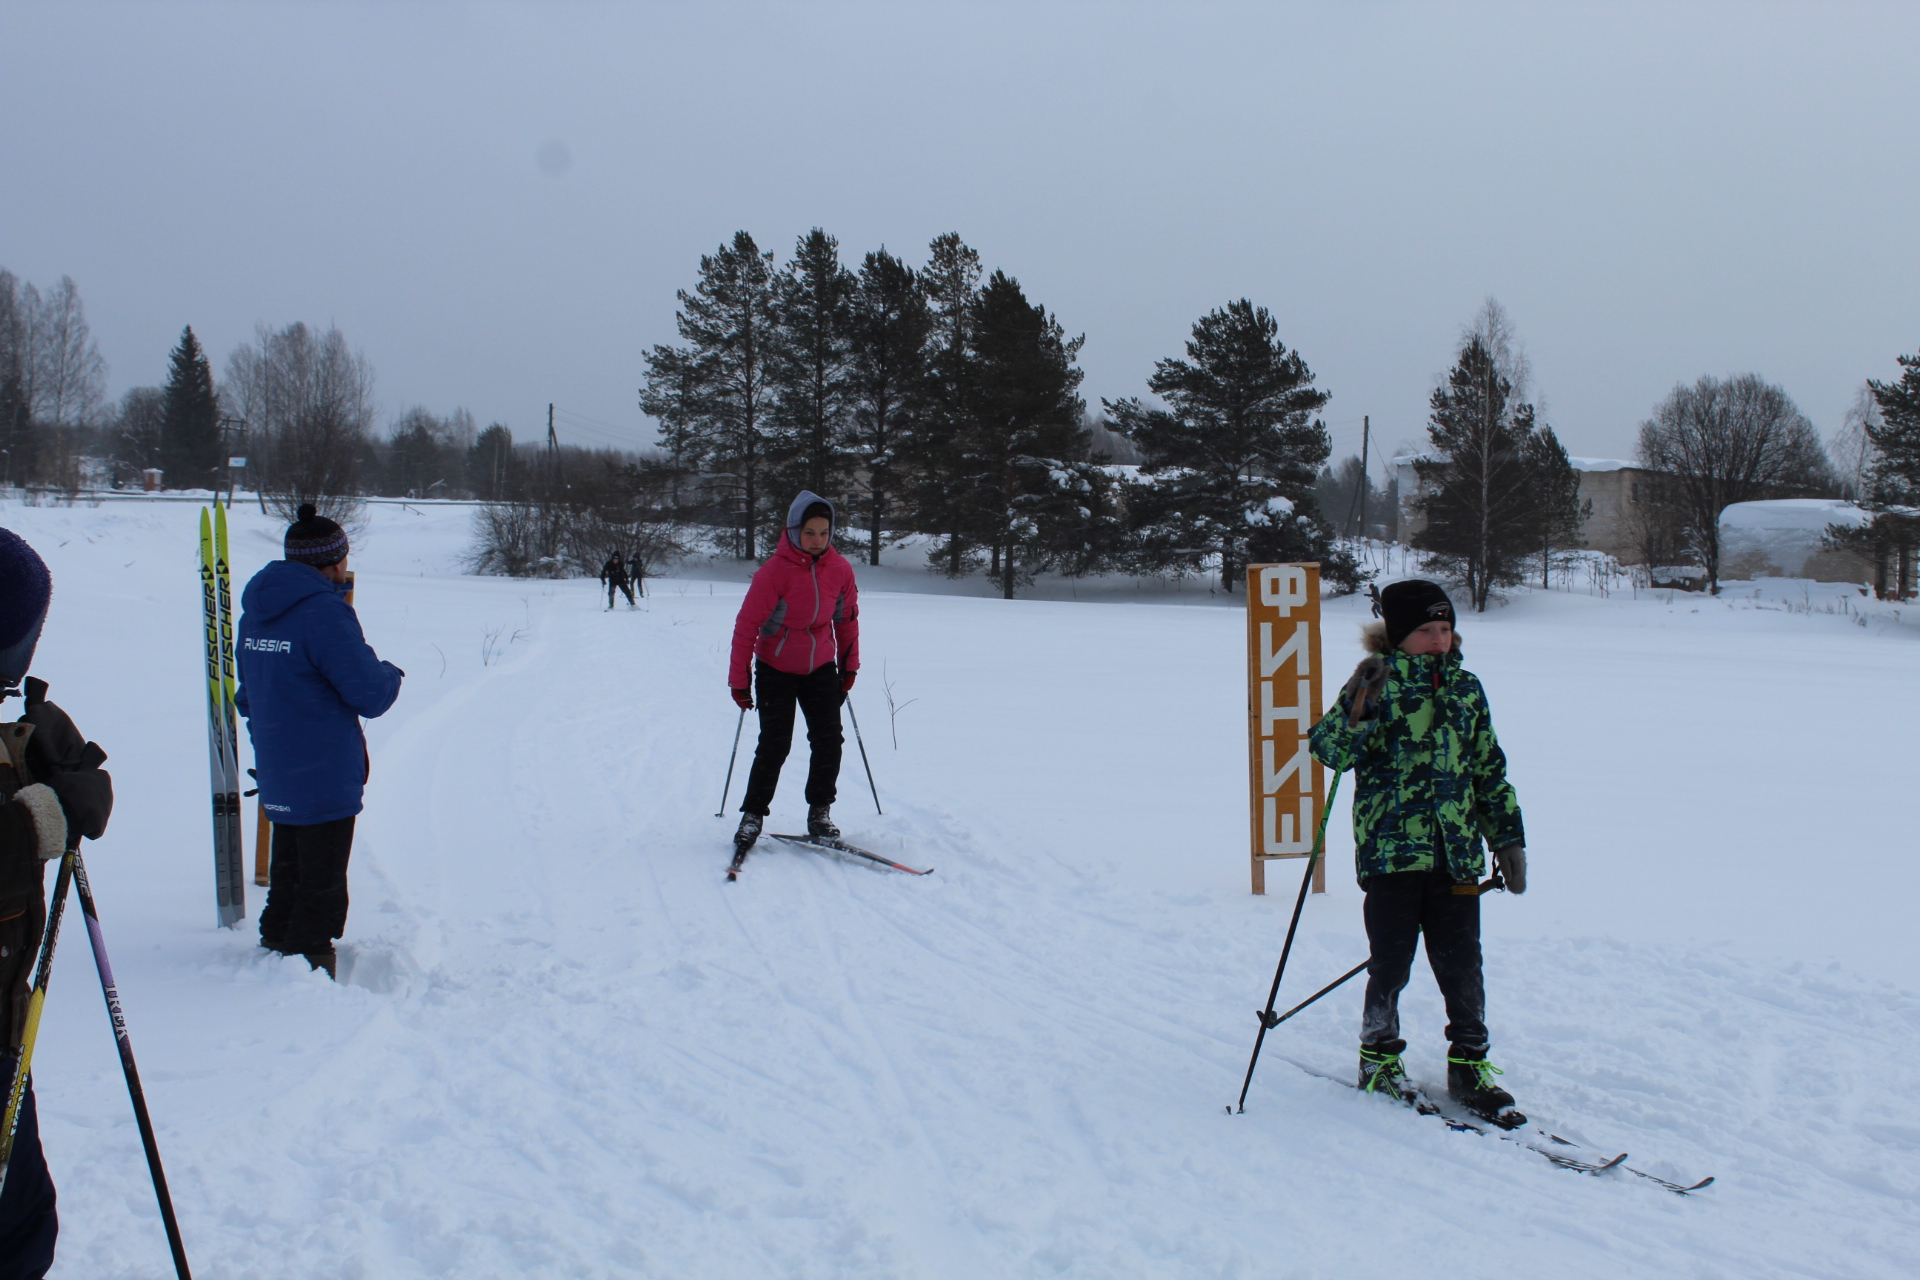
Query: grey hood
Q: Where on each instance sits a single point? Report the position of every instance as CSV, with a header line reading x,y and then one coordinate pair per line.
x,y
799,508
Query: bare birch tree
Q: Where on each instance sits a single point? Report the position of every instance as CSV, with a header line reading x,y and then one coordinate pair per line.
x,y
307,400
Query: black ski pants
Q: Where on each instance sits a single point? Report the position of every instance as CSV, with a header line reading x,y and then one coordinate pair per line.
x,y
307,887
1400,907
619,584
29,1222
818,696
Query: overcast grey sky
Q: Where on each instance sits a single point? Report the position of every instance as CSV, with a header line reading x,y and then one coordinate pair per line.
x,y
1655,192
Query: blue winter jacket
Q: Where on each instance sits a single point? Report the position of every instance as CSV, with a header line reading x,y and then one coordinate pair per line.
x,y
307,675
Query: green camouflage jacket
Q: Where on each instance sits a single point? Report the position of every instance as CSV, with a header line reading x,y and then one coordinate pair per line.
x,y
1430,779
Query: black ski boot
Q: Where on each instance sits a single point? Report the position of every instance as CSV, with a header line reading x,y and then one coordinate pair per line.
x,y
819,824
1470,1083
748,833
1381,1072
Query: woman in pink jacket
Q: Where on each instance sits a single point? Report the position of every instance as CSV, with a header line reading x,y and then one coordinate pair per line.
x,y
800,625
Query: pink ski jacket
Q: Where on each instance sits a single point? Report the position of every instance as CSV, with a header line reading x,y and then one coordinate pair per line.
x,y
799,615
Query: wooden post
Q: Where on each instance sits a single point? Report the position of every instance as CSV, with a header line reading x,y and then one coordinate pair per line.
x,y
1286,787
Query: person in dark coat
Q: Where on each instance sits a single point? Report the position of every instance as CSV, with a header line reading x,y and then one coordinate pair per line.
x,y
307,675
614,574
52,792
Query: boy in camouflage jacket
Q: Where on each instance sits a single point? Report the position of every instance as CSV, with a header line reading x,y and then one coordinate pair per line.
x,y
1430,784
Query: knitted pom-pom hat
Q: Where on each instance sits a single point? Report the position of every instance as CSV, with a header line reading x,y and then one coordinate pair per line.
x,y
313,539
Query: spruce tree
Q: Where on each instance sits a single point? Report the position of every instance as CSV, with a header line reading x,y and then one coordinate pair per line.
x,y
1028,435
1478,485
809,371
1897,435
1231,465
190,428
1558,512
711,395
940,437
888,350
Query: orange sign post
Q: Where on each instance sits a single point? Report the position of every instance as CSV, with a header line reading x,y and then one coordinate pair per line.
x,y
1286,785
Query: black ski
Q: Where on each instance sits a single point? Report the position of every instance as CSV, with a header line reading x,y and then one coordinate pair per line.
x,y
841,846
739,861
1426,1106
1558,1152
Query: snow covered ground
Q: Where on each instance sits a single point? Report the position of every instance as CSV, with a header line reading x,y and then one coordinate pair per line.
x,y
565,1047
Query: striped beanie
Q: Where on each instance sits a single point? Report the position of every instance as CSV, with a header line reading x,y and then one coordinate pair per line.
x,y
313,539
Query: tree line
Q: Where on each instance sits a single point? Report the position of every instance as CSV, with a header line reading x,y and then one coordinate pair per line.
x,y
297,402
939,400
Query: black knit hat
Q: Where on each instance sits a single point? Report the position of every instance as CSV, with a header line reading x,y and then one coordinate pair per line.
x,y
313,539
26,588
1407,606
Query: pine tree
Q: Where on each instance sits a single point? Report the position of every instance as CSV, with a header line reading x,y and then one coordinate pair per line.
x,y
1479,498
938,442
1897,435
1028,435
888,349
712,395
190,426
1232,463
809,370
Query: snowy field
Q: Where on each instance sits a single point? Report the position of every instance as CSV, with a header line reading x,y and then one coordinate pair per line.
x,y
564,1047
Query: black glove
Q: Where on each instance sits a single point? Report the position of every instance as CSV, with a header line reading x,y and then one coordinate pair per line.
x,y
1511,864
1364,686
62,758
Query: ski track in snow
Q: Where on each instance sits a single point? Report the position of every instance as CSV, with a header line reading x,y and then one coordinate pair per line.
x,y
564,1046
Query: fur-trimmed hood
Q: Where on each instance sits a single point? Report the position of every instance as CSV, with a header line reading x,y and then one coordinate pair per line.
x,y
1373,638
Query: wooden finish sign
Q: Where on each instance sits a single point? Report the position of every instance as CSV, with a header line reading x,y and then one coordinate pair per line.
x,y
1286,784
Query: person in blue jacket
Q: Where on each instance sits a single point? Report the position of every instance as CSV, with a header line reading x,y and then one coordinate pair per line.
x,y
307,675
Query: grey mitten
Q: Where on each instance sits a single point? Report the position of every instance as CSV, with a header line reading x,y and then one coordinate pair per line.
x,y
1363,687
49,820
1511,865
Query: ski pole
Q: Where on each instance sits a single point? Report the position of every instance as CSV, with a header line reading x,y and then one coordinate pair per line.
x,y
1272,1020
111,991
863,755
23,1062
1266,1015
731,761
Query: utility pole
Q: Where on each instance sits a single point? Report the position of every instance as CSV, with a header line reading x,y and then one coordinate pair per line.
x,y
1359,498
1366,476
553,451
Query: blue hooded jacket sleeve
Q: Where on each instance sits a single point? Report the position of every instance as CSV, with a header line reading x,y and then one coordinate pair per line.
x,y
307,675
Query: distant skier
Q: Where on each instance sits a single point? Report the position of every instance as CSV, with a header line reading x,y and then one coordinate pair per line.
x,y
52,792
307,675
1430,782
614,574
800,625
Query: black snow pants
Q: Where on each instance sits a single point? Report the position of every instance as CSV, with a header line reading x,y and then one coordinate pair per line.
x,y
818,696
1400,907
619,584
307,887
29,1223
